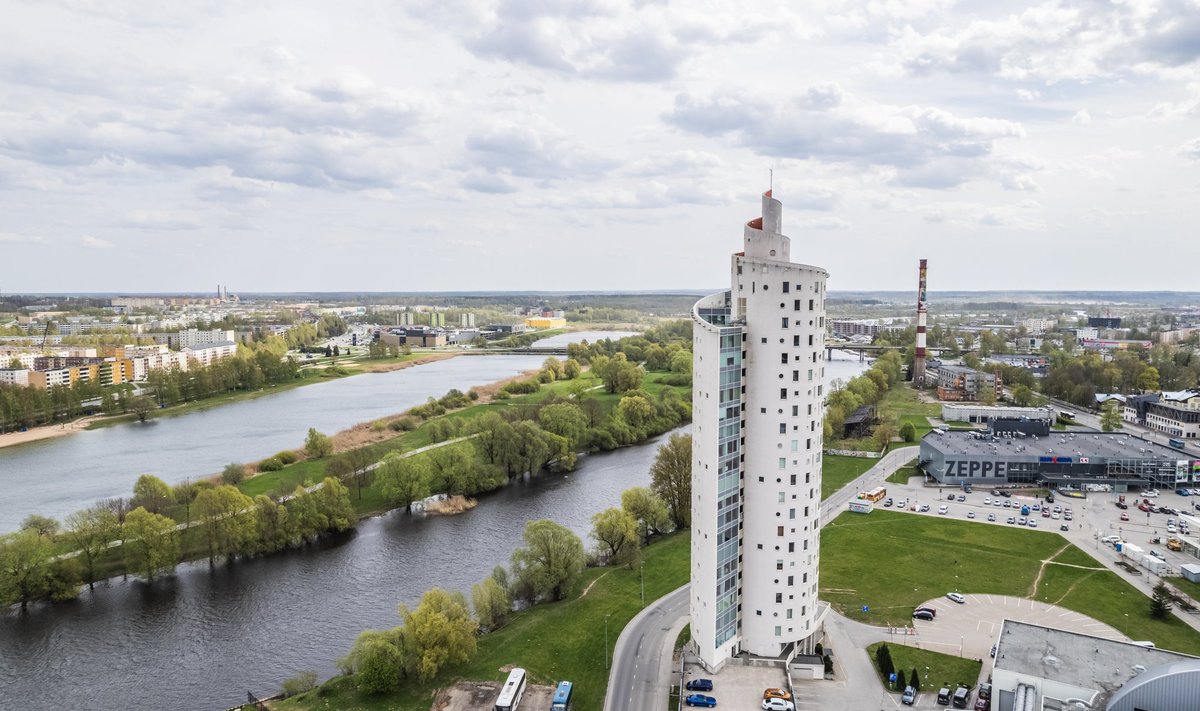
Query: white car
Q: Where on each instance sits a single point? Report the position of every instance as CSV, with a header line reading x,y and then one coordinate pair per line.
x,y
943,509
778,705
991,517
987,501
956,597
970,514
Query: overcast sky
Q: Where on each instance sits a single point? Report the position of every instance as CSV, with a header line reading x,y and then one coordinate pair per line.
x,y
596,144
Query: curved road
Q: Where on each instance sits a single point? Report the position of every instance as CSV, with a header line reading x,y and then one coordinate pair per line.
x,y
640,675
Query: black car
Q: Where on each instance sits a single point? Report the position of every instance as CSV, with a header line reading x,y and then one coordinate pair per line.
x,y
923,615
700,685
930,610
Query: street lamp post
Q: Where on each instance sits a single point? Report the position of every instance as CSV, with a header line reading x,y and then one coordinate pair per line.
x,y
606,640
642,580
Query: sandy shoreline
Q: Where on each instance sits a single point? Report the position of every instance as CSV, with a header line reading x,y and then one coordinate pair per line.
x,y
35,434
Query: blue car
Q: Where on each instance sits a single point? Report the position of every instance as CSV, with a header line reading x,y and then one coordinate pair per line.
x,y
700,700
1183,492
700,685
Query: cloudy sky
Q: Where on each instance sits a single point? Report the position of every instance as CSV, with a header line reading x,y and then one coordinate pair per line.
x,y
596,144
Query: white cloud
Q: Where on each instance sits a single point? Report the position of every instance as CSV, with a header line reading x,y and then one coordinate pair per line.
x,y
95,242
1081,117
1191,149
161,220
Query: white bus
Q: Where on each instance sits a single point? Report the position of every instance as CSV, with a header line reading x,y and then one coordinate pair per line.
x,y
514,689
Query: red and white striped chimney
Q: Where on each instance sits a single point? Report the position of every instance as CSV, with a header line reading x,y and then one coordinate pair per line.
x,y
922,315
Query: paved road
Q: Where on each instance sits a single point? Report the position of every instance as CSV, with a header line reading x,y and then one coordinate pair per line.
x,y
639,677
636,680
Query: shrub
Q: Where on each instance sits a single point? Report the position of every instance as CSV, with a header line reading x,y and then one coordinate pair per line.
x,y
378,426
233,474
287,456
271,464
522,387
403,424
302,682
473,394
502,395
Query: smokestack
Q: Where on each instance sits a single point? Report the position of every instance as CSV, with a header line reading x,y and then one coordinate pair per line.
x,y
922,315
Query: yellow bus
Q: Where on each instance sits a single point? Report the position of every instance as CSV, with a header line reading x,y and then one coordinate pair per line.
x,y
873,495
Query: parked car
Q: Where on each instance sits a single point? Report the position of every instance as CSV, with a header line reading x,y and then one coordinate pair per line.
x,y
930,610
926,615
987,501
961,498
1124,516
982,705
970,514
943,509
1183,492
1007,504
985,691
1011,519
888,503
775,693
923,508
778,705
700,685
991,517
956,597
701,700
993,651
1122,505
1156,554
1021,521
1033,523
909,697
901,503
1064,527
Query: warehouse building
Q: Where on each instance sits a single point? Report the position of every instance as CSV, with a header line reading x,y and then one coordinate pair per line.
x,y
1045,668
1065,459
963,412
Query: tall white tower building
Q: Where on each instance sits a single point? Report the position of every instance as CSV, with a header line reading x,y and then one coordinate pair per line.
x,y
757,404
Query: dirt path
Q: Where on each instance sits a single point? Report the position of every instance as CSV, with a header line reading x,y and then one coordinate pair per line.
x,y
589,586
1037,580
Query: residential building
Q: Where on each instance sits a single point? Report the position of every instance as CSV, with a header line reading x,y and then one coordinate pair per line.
x,y
871,327
14,376
1176,413
1038,326
758,398
1136,406
958,382
1104,322
1177,336
211,353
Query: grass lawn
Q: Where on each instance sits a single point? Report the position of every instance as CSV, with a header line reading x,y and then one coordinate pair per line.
x,y
837,471
902,405
934,668
1187,587
563,640
904,473
891,562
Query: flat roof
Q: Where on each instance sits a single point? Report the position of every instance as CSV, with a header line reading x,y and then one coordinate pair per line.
x,y
1072,658
1089,444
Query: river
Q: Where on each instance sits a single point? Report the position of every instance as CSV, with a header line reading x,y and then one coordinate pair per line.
x,y
54,477
203,638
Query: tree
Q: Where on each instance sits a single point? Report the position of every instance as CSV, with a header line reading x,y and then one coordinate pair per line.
x,y
1160,602
616,534
565,419
1110,418
617,373
91,530
572,369
636,410
883,434
27,571
883,660
671,478
647,509
44,526
378,659
185,493
914,680
404,480
142,406
233,473
151,543
491,602
317,445
439,631
550,561
681,363
333,506
908,432
152,494
227,529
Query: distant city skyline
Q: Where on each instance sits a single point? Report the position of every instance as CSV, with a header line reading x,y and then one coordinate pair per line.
x,y
592,145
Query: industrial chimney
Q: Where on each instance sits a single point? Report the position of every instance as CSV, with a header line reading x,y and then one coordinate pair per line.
x,y
922,314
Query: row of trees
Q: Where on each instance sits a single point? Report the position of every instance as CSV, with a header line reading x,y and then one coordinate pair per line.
x,y
883,661
227,524
866,389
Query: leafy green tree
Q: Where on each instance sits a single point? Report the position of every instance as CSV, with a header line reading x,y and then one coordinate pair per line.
x,y
142,406
681,363
565,419
636,410
671,478
151,543
305,520
90,530
617,373
44,526
317,445
228,530
616,534
648,510
185,493
550,561
908,432
404,480
1160,602
273,529
152,494
1110,417
554,367
439,631
233,473
333,505
491,602
378,659
572,369
28,573
883,434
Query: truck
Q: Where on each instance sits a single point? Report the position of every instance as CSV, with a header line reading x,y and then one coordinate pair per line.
x,y
1025,510
1133,552
1174,544
1155,565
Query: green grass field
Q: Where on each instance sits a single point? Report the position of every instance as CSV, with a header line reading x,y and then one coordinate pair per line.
x,y
837,471
892,562
557,641
934,668
904,473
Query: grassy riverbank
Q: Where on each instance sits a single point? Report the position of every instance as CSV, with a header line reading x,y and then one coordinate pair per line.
x,y
551,641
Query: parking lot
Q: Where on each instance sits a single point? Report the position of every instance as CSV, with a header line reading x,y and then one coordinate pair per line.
x,y
739,688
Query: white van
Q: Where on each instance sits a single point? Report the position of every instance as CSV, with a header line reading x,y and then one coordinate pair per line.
x,y
943,509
